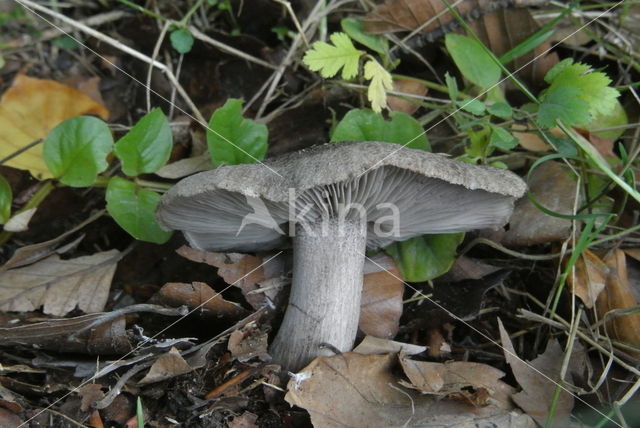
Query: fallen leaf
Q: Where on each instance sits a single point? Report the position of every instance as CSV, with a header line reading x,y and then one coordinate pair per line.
x,y
529,138
381,303
245,420
589,279
538,379
354,390
373,345
410,87
195,294
553,186
31,108
20,221
91,393
633,252
617,294
60,285
167,366
248,342
9,419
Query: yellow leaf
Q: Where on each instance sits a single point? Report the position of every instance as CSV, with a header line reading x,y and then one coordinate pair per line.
x,y
31,108
381,82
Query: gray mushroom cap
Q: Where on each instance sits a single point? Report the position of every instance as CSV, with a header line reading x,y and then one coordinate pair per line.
x,y
250,207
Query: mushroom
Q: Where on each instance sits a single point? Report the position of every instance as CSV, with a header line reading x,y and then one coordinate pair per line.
x,y
334,201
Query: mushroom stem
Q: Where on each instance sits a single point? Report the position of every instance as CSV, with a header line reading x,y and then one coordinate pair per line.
x,y
324,304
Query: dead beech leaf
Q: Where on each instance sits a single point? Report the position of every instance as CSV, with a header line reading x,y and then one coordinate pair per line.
x,y
617,294
537,379
410,87
354,390
553,186
381,304
166,366
195,294
59,285
31,108
589,279
454,378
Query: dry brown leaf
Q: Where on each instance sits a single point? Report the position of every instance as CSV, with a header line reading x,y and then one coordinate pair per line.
x,y
633,252
529,138
60,285
410,87
166,366
456,377
245,420
589,279
553,186
31,108
537,379
381,304
617,294
248,342
195,294
91,393
373,345
354,390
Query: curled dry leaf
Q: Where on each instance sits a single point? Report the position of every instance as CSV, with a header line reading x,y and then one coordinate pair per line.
x,y
381,304
617,295
165,367
373,345
589,278
553,186
31,108
60,285
199,295
354,390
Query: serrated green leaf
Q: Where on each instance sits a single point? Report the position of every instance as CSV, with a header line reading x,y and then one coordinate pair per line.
x,y
594,88
452,86
472,106
181,40
134,210
232,139
561,66
147,146
501,110
329,59
617,118
366,125
76,150
354,29
6,197
425,257
473,62
381,82
564,104
502,139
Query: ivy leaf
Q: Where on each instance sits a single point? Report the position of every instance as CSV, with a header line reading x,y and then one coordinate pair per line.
x,y
232,139
76,150
147,146
329,59
425,257
472,60
563,104
366,125
134,210
381,82
6,197
181,40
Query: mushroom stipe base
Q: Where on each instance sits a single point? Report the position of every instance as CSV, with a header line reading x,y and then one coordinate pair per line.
x,y
324,304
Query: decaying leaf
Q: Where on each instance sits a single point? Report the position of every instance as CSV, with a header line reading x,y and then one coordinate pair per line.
x,y
31,108
617,295
200,295
59,285
248,342
381,304
373,345
165,367
90,393
538,379
354,390
553,186
410,87
589,279
245,420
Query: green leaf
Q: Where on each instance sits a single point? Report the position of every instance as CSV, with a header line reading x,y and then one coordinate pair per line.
x,y
139,413
75,151
329,59
233,139
425,257
563,104
473,62
134,210
473,106
147,146
66,42
6,197
181,40
501,110
502,139
366,125
381,82
559,67
616,118
354,29
452,86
